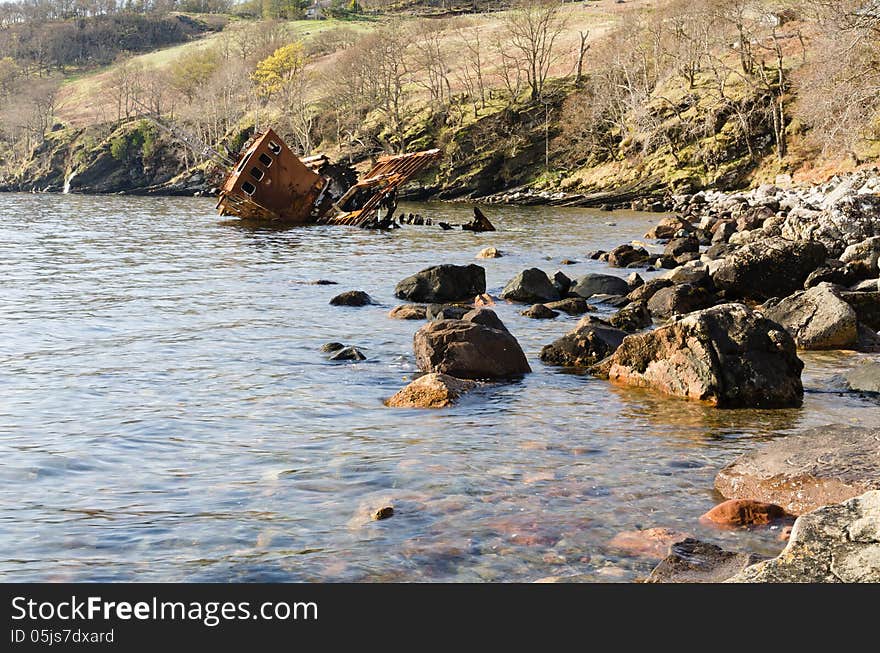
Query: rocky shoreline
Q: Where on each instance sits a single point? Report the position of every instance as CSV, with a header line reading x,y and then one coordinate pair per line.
x,y
748,280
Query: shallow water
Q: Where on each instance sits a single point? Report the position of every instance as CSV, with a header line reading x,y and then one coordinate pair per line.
x,y
166,415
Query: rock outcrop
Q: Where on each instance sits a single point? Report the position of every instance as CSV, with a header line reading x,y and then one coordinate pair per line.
x,y
805,471
837,543
727,355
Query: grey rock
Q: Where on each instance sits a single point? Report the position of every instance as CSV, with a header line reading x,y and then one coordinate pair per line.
x,y
816,318
768,268
530,286
443,283
679,300
633,317
599,284
352,298
445,311
588,343
348,354
864,377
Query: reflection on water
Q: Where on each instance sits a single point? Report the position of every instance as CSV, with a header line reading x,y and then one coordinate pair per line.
x,y
166,413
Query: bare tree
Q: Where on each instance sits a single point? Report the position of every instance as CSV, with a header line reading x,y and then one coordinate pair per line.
x,y
532,29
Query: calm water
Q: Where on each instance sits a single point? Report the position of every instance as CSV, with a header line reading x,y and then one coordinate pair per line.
x,y
166,415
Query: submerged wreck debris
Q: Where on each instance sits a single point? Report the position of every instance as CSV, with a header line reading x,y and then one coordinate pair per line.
x,y
270,183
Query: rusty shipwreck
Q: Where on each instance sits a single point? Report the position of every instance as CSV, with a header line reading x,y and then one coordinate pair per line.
x,y
269,183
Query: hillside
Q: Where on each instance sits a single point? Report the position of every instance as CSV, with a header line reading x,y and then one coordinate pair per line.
x,y
670,96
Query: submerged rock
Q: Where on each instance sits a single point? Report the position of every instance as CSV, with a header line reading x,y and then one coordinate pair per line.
x,y
834,544
469,350
352,298
530,286
727,356
443,283
804,471
648,543
431,391
348,354
445,311
816,318
744,512
693,561
591,341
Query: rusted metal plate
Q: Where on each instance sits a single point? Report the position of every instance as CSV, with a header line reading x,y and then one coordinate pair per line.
x,y
270,182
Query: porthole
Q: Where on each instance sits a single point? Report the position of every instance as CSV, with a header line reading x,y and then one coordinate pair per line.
x,y
248,188
274,148
257,173
266,160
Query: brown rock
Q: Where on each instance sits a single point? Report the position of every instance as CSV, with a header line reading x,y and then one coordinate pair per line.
x,y
728,356
467,350
744,512
802,472
383,513
668,227
431,391
540,312
408,312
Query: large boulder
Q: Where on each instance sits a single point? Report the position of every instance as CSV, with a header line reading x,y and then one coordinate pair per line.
x,y
443,283
804,471
469,350
768,268
599,284
727,356
531,286
838,543
591,341
816,318
431,391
